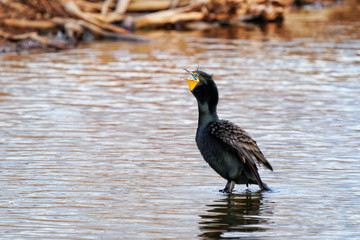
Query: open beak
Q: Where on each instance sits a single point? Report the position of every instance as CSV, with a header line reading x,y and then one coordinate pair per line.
x,y
192,83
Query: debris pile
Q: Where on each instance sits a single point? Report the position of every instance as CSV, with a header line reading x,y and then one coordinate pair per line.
x,y
61,24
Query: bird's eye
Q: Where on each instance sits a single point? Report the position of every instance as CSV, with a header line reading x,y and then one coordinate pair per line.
x,y
196,76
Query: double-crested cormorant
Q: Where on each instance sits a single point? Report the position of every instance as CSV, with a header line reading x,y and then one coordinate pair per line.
x,y
228,149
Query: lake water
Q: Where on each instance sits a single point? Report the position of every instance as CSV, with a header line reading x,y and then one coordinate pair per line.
x,y
98,142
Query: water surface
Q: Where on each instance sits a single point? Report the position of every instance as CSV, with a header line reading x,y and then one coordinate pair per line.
x,y
98,142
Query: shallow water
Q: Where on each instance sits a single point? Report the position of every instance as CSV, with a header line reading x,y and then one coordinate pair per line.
x,y
98,142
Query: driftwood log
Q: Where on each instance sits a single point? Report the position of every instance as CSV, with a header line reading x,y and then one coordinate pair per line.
x,y
42,20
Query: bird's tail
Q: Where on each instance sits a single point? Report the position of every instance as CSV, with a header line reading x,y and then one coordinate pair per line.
x,y
254,170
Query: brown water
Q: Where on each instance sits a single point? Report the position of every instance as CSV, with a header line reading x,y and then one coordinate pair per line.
x,y
98,142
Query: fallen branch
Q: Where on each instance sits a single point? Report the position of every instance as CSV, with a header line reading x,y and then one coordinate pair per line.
x,y
89,6
105,7
121,6
45,41
16,37
81,24
169,16
39,24
73,9
111,17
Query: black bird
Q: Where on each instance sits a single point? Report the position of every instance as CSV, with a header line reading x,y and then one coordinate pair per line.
x,y
228,149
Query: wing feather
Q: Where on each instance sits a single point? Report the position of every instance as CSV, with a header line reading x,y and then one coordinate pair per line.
x,y
239,141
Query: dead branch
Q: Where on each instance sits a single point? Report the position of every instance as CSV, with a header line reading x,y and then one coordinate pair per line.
x,y
168,16
38,24
121,6
81,24
35,37
87,6
105,7
111,17
162,18
73,9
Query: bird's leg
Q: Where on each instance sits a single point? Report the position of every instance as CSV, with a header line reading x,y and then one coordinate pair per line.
x,y
228,187
232,185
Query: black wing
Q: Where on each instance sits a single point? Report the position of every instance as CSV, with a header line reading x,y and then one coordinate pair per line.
x,y
240,142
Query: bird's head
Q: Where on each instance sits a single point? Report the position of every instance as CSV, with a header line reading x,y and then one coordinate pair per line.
x,y
203,87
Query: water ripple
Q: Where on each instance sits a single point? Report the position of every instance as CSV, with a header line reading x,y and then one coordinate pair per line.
x,y
98,142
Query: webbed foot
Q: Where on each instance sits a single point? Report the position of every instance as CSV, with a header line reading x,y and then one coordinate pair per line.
x,y
224,190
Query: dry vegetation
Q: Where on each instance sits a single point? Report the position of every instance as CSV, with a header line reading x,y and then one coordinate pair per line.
x,y
43,21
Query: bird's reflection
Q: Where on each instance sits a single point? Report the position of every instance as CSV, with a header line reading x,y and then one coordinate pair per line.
x,y
233,213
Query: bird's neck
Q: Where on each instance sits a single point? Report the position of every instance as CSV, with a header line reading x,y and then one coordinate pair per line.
x,y
207,113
